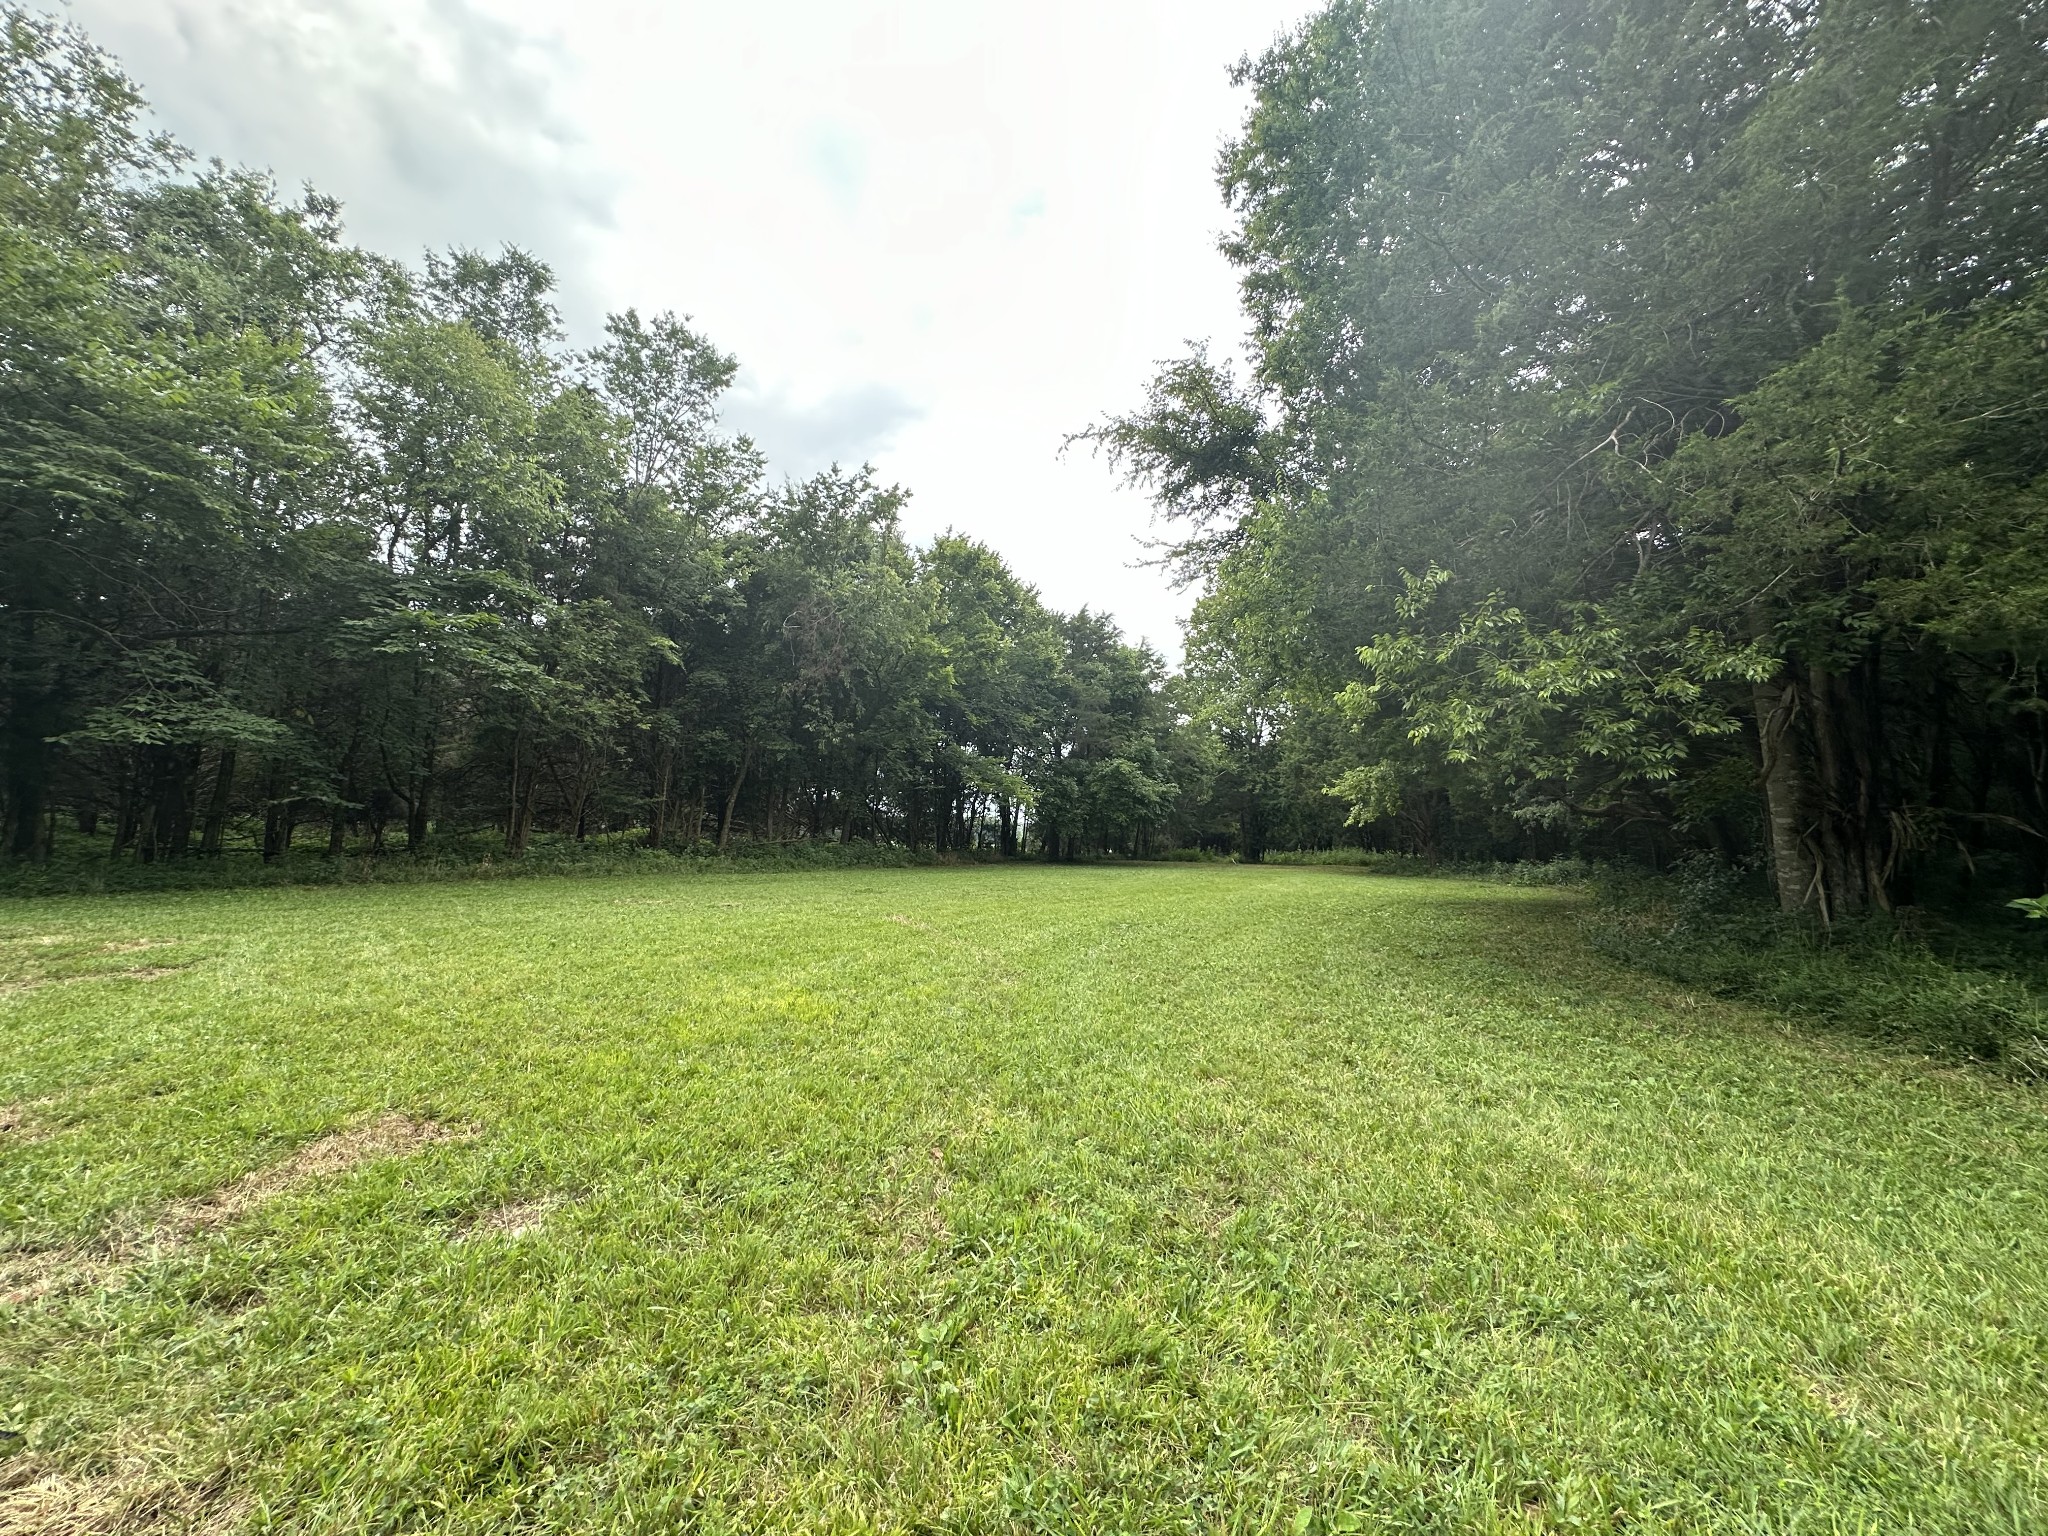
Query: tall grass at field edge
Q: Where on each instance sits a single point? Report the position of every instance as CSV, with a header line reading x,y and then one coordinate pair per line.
x,y
1963,984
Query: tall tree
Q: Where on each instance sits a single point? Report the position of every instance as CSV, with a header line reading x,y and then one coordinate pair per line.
x,y
1529,291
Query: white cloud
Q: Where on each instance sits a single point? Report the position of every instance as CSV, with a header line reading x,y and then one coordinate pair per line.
x,y
839,160
938,235
848,427
435,121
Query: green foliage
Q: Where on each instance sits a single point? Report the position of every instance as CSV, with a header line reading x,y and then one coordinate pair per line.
x,y
1642,444
293,536
1581,719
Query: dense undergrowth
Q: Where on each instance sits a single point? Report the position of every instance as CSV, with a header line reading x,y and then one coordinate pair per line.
x,y
1968,981
85,867
82,865
1563,871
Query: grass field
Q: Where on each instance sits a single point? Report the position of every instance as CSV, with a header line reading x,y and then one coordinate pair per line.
x,y
1001,1199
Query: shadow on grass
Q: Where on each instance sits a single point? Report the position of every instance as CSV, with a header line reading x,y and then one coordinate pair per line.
x,y
1943,990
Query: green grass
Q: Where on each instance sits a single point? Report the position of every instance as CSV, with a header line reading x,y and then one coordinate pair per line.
x,y
1192,1198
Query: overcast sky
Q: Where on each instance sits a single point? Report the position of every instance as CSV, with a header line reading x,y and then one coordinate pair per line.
x,y
939,234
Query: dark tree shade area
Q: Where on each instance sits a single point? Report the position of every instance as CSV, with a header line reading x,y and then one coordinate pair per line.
x,y
1643,444
299,544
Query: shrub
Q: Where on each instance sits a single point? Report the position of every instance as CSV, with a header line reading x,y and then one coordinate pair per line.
x,y
1952,985
1559,871
81,866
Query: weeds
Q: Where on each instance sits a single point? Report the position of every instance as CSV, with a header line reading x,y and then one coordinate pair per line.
x,y
1556,872
1973,986
82,867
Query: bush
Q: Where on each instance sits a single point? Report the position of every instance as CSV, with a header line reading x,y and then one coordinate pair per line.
x,y
1560,871
1958,986
1953,985
81,866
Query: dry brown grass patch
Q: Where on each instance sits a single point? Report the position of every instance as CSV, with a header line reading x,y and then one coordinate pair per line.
x,y
30,1277
514,1220
934,1211
36,1499
389,1136
139,973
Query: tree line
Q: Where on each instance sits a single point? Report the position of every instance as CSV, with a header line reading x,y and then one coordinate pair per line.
x,y
299,545
1643,442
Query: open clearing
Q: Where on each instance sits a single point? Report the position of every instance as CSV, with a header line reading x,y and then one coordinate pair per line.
x,y
1028,1198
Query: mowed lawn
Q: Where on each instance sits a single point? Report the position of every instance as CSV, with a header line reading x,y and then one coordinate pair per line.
x,y
1193,1198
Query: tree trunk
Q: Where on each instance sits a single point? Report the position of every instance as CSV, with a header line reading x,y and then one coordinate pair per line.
x,y
212,834
657,820
2034,757
416,819
277,816
277,830
27,756
732,800
174,820
145,831
124,811
525,790
579,812
1852,873
418,806
1787,798
30,719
